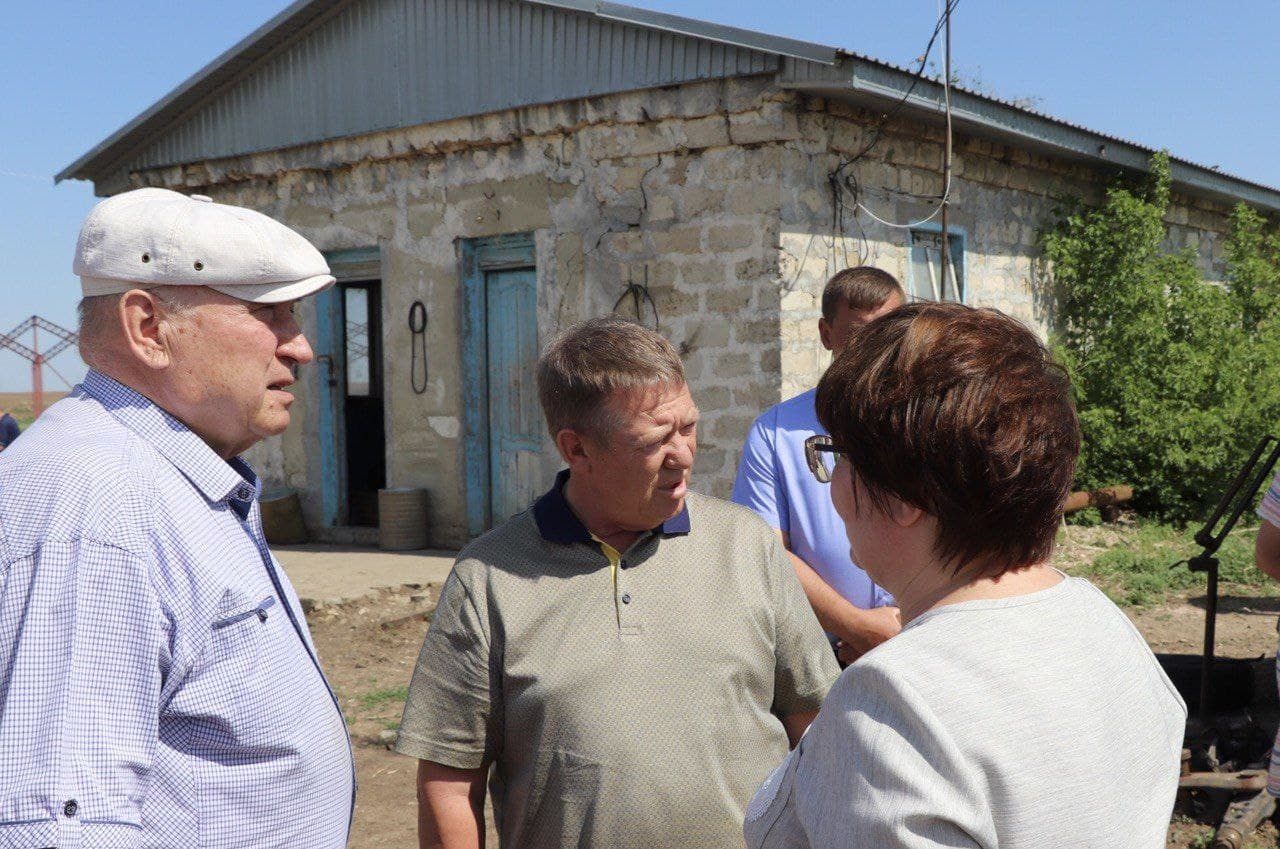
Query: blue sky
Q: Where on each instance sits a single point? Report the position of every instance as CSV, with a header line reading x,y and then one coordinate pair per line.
x,y
1195,78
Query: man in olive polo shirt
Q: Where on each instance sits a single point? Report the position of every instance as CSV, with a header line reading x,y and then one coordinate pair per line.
x,y
626,660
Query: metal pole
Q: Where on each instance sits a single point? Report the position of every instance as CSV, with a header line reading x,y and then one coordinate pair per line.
x,y
1210,625
946,159
37,374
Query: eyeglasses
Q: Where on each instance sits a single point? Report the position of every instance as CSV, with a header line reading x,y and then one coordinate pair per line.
x,y
821,453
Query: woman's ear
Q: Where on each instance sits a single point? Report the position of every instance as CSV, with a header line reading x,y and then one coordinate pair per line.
x,y
904,515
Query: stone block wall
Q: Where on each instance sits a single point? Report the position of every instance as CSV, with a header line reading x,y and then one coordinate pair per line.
x,y
1001,198
671,186
716,194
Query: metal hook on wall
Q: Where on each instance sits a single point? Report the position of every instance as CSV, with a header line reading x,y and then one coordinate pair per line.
x,y
418,342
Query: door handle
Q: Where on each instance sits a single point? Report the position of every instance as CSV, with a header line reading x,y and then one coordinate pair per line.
x,y
328,367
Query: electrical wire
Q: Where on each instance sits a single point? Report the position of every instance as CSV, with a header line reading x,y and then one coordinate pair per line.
x,y
417,342
840,182
915,80
946,96
639,293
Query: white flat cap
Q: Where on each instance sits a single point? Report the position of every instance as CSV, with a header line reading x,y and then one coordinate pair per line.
x,y
155,237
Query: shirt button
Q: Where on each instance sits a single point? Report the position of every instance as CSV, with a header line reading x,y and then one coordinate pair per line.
x,y
626,598
69,809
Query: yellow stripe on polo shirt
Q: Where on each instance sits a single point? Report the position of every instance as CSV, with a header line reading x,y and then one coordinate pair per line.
x,y
615,559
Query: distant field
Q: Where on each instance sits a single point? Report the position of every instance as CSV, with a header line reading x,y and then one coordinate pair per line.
x,y
18,404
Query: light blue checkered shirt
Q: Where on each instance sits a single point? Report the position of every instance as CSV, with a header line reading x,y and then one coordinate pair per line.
x,y
158,685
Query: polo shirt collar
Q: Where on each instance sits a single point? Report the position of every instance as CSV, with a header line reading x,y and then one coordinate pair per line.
x,y
217,479
557,523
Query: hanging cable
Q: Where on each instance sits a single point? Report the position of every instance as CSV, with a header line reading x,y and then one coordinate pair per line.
x,y
897,106
943,22
840,181
945,256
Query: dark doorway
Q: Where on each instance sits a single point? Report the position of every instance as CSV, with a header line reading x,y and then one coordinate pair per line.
x,y
363,405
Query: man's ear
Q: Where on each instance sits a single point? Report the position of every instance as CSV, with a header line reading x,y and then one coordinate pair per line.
x,y
824,333
145,329
573,450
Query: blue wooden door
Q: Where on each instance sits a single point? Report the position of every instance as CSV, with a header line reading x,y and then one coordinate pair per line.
x,y
327,344
503,420
515,420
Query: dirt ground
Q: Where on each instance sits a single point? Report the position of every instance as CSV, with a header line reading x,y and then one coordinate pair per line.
x,y
368,649
1246,629
369,646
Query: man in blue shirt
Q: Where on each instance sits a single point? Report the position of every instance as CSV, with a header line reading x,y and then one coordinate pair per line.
x,y
775,481
9,429
158,685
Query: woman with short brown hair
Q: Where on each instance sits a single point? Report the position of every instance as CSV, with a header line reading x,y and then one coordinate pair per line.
x,y
1018,707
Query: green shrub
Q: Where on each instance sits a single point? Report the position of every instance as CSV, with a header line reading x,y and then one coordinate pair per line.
x,y
1175,379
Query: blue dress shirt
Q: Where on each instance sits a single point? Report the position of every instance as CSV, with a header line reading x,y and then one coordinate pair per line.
x,y
774,480
158,685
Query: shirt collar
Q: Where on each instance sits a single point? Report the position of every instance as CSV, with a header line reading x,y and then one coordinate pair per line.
x,y
557,522
216,479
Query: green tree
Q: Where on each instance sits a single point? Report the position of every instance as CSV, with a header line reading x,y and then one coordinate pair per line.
x,y
1174,377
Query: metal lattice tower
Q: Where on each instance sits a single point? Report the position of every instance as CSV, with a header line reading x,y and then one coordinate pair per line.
x,y
34,355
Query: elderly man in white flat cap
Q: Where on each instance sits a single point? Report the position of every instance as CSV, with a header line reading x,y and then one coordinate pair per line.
x,y
158,685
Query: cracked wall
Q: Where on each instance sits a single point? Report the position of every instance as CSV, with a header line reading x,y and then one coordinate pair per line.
x,y
716,193
1001,198
671,186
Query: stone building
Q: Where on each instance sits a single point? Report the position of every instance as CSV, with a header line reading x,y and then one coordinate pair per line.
x,y
483,173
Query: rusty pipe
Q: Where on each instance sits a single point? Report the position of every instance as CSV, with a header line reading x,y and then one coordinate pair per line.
x,y
1107,496
1242,817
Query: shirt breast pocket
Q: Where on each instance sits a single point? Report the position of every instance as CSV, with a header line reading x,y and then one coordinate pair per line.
x,y
236,680
240,631
259,610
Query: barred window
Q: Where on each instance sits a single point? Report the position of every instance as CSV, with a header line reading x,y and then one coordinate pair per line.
x,y
927,283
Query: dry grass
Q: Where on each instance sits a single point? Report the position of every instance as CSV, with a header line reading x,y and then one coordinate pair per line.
x,y
18,404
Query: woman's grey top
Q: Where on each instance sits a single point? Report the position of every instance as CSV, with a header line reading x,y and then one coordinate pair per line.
x,y
1031,722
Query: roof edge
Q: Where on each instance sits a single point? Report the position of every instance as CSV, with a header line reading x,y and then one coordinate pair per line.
x,y
871,80
814,67
264,38
694,28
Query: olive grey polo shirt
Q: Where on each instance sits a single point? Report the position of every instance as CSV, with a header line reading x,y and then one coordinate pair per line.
x,y
620,706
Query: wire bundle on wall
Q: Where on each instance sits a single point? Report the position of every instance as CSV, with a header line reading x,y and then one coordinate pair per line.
x,y
639,293
842,179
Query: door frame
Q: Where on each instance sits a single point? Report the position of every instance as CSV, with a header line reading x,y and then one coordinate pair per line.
x,y
476,258
350,264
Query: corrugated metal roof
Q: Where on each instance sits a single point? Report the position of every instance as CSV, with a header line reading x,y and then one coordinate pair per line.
x,y
381,64
874,82
324,69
